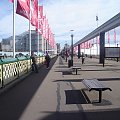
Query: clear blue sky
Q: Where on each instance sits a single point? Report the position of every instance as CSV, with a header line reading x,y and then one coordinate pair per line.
x,y
63,16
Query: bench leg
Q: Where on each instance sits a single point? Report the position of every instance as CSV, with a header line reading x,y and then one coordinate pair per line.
x,y
100,96
76,71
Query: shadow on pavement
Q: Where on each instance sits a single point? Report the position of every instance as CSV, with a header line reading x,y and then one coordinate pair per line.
x,y
14,101
76,97
80,115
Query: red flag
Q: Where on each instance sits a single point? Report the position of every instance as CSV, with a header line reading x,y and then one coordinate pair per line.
x,y
40,9
40,20
44,26
47,30
23,8
11,1
34,12
114,36
90,43
108,37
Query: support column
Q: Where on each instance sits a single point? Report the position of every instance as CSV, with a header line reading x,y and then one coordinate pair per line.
x,y
79,51
102,48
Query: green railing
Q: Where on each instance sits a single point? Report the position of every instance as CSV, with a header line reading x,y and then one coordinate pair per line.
x,y
13,68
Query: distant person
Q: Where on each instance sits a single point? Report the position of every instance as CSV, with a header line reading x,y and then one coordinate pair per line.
x,y
83,58
47,60
34,62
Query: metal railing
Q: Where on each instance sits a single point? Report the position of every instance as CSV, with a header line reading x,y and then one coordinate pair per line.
x,y
13,68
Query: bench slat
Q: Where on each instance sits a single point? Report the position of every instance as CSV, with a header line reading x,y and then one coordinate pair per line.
x,y
94,84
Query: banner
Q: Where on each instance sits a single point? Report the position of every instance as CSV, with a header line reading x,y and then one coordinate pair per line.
x,y
40,20
23,8
114,36
34,12
108,37
11,1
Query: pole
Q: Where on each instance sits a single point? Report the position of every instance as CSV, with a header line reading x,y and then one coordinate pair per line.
x,y
30,31
71,50
42,44
38,31
45,45
97,37
14,3
117,57
72,47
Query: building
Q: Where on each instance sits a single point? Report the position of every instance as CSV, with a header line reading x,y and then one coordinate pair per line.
x,y
22,42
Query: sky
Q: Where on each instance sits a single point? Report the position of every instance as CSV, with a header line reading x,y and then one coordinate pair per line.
x,y
63,16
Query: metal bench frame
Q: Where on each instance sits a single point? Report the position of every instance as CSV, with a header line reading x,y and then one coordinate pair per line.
x,y
76,68
96,85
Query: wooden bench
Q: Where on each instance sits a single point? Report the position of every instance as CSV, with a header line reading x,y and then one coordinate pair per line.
x,y
96,85
76,68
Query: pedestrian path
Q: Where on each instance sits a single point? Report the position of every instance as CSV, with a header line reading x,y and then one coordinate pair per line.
x,y
52,95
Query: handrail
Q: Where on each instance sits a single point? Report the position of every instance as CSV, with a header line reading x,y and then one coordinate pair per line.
x,y
13,68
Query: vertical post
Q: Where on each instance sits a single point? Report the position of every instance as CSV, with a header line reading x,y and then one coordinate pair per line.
x,y
100,96
38,31
72,48
90,52
30,31
45,45
42,43
14,7
117,57
79,51
66,54
102,48
97,36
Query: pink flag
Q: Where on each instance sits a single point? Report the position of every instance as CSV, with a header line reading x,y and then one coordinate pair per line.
x,y
44,26
40,9
23,8
11,1
40,20
114,36
34,12
108,37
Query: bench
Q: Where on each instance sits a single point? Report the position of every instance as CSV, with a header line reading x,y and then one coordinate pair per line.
x,y
96,85
75,68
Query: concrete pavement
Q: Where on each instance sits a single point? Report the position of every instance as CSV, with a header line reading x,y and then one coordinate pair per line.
x,y
52,95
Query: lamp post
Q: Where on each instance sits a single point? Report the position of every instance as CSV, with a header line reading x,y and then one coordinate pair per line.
x,y
66,53
71,47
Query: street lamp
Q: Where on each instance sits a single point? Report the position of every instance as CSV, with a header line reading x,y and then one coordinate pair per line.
x,y
71,47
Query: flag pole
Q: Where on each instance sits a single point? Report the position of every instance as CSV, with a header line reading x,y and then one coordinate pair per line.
x,y
42,43
38,31
97,36
30,30
14,7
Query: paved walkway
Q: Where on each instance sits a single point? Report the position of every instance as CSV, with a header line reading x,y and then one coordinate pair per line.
x,y
55,94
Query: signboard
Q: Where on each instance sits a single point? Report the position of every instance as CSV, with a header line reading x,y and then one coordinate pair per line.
x,y
112,52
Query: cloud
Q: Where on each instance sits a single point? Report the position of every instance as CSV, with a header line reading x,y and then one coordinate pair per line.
x,y
6,25
64,15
